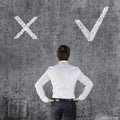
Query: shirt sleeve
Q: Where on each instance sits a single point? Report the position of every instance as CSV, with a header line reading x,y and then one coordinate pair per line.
x,y
88,85
39,86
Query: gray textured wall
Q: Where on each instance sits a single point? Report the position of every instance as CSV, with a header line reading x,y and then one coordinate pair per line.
x,y
24,60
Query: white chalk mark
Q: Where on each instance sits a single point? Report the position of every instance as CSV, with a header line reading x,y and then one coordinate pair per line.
x,y
90,35
25,27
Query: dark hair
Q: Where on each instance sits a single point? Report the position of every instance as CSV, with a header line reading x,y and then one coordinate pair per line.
x,y
63,52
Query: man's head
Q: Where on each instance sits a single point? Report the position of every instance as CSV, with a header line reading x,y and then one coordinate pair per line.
x,y
63,52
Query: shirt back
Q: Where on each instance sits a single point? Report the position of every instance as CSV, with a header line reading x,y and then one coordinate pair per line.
x,y
63,77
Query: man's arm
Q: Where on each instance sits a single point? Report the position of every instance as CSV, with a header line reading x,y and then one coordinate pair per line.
x,y
39,86
88,85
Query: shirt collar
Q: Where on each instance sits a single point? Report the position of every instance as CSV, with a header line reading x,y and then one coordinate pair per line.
x,y
63,61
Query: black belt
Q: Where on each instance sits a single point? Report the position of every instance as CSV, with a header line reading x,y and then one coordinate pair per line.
x,y
60,99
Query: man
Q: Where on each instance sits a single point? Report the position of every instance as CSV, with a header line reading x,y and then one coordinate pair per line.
x,y
63,77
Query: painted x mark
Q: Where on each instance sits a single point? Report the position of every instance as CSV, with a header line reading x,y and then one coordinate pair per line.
x,y
90,35
25,27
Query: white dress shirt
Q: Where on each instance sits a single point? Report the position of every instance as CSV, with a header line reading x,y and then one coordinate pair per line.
x,y
63,77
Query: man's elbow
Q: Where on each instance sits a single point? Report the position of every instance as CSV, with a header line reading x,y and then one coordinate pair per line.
x,y
36,85
91,84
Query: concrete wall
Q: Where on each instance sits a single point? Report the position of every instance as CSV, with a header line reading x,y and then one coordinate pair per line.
x,y
24,60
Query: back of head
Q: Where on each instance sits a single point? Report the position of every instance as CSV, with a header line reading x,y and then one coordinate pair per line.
x,y
63,52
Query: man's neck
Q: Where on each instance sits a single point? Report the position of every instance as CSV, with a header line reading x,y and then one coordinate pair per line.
x,y
63,61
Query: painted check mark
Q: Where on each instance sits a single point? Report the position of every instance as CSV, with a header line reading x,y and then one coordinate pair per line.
x,y
90,35
25,27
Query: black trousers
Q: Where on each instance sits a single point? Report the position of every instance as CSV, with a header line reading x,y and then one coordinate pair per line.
x,y
63,109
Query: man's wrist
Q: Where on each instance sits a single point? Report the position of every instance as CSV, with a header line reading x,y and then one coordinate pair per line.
x,y
50,101
76,100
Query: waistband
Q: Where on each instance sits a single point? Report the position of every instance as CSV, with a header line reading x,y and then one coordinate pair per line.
x,y
60,99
